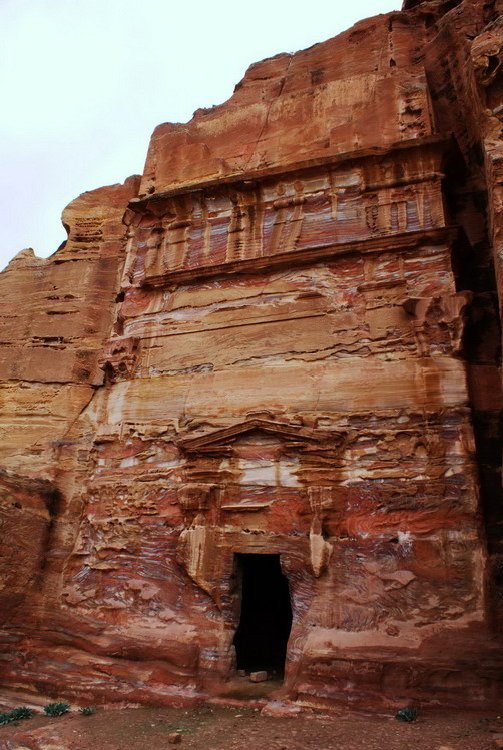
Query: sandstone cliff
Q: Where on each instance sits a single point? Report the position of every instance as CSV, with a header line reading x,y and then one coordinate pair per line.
x,y
282,340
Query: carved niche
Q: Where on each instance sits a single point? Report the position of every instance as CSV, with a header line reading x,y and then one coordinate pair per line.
x,y
246,489
119,357
438,322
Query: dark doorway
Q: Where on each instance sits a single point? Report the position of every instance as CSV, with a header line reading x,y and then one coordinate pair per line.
x,y
266,614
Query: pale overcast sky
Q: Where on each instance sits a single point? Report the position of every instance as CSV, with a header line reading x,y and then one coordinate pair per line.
x,y
84,82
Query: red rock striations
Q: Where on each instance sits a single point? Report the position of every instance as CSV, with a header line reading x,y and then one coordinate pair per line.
x,y
260,387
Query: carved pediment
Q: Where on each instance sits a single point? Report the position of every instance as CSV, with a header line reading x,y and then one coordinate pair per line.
x,y
220,441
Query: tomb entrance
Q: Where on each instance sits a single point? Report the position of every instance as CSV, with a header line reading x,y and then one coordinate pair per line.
x,y
265,619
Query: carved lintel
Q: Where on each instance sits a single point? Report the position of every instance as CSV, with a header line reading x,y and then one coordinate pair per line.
x,y
211,450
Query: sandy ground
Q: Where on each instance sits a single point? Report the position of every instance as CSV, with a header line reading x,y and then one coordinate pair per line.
x,y
217,727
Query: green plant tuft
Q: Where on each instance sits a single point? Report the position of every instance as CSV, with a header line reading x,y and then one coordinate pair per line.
x,y
87,710
16,715
409,713
56,709
22,713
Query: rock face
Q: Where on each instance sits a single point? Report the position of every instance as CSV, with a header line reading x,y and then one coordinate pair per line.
x,y
259,387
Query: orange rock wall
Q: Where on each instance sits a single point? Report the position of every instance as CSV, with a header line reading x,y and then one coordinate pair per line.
x,y
288,343
55,315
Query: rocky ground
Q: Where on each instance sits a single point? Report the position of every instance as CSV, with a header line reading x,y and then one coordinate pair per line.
x,y
218,727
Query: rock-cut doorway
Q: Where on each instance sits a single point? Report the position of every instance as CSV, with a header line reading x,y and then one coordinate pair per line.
x,y
266,615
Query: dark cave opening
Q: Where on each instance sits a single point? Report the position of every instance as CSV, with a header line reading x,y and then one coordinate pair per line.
x,y
266,614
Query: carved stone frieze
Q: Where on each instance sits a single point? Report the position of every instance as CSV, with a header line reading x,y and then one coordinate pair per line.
x,y
311,214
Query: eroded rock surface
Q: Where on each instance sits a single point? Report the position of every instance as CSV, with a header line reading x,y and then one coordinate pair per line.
x,y
282,340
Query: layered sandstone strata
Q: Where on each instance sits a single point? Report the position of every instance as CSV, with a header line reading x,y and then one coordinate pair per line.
x,y
283,341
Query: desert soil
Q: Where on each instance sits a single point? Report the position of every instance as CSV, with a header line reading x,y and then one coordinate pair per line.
x,y
216,727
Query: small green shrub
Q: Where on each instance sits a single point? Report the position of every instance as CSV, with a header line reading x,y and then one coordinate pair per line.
x,y
409,713
16,715
21,713
56,709
87,710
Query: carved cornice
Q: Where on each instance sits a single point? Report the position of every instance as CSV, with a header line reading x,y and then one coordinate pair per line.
x,y
148,203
